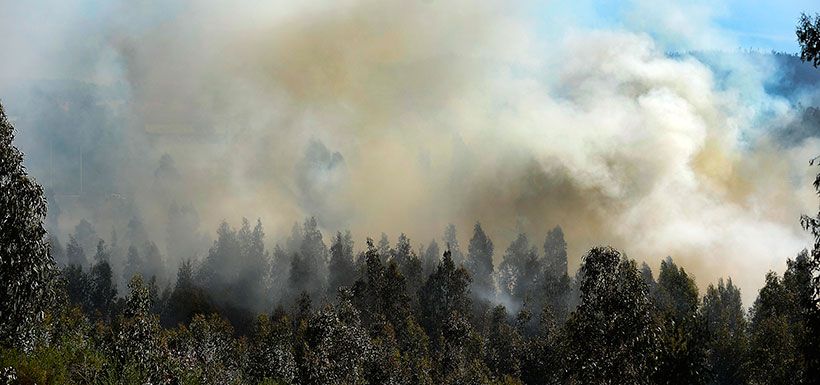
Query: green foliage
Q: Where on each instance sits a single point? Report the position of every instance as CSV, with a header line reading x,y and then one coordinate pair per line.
x,y
504,346
405,319
444,296
726,333
480,262
341,268
808,36
555,251
682,339
27,270
612,335
270,352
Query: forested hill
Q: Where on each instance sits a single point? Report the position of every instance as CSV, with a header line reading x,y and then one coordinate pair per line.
x,y
306,313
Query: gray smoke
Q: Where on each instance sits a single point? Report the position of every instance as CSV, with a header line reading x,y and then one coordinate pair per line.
x,y
406,116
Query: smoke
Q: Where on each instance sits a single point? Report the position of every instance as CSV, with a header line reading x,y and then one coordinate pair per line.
x,y
406,116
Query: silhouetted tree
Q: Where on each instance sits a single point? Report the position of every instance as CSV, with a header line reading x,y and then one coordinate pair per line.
x,y
336,347
520,270
451,242
727,343
270,354
445,292
431,258
27,270
612,335
133,263
102,289
409,264
480,263
808,36
309,269
543,360
775,335
810,303
504,346
86,235
218,270
683,350
183,236
186,299
380,294
385,252
342,272
74,253
139,348
249,285
555,252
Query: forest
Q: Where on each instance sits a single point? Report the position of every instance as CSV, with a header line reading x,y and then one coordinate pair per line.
x,y
309,313
323,308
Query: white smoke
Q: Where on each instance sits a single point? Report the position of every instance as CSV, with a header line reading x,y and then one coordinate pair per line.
x,y
451,112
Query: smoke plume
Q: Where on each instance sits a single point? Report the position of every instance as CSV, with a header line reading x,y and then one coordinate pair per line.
x,y
404,116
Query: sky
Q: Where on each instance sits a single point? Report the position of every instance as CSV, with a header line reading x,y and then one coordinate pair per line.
x,y
763,25
395,116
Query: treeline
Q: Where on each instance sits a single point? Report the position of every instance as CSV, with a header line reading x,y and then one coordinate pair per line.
x,y
393,315
306,313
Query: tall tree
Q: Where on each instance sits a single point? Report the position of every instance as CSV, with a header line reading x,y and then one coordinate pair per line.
x,y
683,350
801,288
612,333
74,253
385,252
336,347
314,254
86,235
808,36
451,243
408,263
249,286
26,267
218,269
727,343
138,345
103,290
775,334
520,270
342,272
431,258
271,354
544,357
480,263
555,252
504,346
153,262
810,303
446,292
380,294
133,263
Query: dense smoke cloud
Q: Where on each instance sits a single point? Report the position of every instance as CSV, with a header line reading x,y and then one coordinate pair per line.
x,y
406,116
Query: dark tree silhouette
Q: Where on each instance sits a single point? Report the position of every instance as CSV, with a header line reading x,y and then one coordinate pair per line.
x,y
808,35
810,302
26,267
480,263
612,335
727,342
555,252
341,272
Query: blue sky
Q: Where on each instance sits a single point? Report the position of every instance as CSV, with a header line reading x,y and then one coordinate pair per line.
x,y
750,24
766,24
